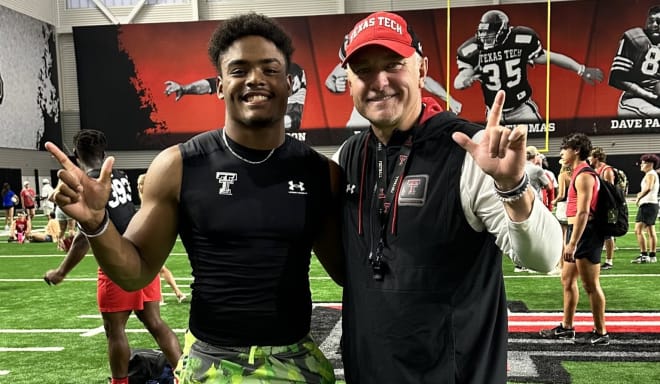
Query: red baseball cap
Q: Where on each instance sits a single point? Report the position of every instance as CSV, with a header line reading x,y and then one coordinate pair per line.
x,y
386,29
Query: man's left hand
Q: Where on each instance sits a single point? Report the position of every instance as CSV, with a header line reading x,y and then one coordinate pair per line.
x,y
501,152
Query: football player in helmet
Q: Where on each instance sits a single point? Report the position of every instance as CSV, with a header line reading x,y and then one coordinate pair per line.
x,y
294,107
498,56
636,69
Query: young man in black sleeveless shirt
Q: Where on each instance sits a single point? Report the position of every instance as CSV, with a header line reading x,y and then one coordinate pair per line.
x,y
424,298
249,204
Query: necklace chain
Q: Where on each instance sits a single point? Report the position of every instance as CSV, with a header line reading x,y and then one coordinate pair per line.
x,y
224,138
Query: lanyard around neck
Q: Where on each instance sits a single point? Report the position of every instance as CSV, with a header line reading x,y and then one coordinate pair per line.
x,y
388,194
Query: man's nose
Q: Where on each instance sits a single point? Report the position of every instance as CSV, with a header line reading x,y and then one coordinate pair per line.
x,y
381,79
255,78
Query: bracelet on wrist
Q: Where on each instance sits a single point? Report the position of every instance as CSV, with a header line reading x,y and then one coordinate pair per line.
x,y
100,230
580,71
513,194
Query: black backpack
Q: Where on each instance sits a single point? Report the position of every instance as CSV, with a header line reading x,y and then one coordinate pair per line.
x,y
620,179
149,366
611,215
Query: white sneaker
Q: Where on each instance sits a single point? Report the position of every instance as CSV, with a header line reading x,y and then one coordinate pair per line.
x,y
182,298
641,259
653,259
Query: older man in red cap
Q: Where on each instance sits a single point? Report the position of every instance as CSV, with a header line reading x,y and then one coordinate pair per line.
x,y
436,201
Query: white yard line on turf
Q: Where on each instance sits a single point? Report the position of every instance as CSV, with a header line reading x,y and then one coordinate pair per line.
x,y
81,331
32,349
74,279
62,254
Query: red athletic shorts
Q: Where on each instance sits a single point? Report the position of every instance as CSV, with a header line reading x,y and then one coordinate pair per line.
x,y
111,298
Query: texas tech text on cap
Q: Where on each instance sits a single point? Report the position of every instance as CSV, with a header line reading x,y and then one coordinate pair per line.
x,y
386,29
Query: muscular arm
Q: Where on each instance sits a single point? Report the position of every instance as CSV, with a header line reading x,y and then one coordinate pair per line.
x,y
74,256
590,75
328,246
608,175
633,88
199,87
133,260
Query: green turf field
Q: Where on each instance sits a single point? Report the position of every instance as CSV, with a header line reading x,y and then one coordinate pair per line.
x,y
53,334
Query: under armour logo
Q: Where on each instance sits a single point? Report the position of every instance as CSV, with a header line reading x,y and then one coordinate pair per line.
x,y
350,188
297,188
226,179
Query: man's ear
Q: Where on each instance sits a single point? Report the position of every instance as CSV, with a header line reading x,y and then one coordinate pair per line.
x,y
423,70
218,91
289,81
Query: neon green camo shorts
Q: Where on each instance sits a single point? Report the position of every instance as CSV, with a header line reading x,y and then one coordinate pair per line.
x,y
302,362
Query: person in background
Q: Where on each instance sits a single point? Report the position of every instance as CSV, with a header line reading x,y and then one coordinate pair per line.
x,y
597,161
537,177
548,194
249,203
50,233
20,228
539,182
431,202
115,304
47,206
563,181
498,57
28,200
647,213
164,272
634,69
9,200
583,246
67,229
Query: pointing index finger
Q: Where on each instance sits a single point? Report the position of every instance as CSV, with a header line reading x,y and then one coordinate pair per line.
x,y
495,114
60,156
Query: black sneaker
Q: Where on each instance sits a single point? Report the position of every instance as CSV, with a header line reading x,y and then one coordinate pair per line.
x,y
558,332
606,266
594,338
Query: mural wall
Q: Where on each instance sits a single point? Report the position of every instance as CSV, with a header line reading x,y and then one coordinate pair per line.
x,y
29,97
151,85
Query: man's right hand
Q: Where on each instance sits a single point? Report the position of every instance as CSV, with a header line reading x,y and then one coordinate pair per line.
x,y
81,197
175,88
54,277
